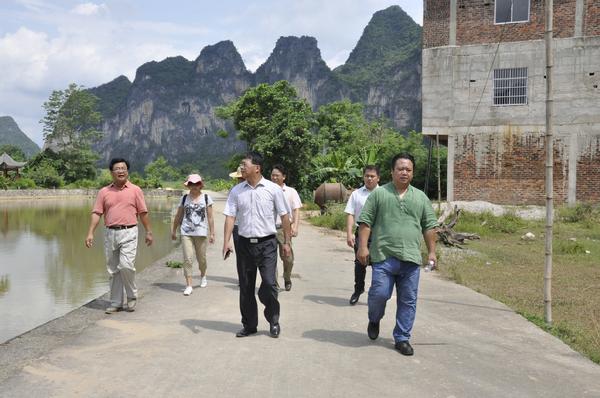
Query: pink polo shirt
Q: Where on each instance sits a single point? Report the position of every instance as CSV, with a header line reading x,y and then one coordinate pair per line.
x,y
120,206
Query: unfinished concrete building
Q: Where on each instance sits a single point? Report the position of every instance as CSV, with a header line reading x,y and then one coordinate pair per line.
x,y
484,94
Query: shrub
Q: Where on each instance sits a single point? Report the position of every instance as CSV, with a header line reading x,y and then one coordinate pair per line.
x,y
334,218
569,247
23,183
220,184
578,213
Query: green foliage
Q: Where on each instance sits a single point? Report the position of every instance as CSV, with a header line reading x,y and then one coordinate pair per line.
x,y
104,178
578,213
486,223
276,123
160,170
14,152
569,247
334,218
219,184
23,183
43,172
70,164
4,182
174,264
71,119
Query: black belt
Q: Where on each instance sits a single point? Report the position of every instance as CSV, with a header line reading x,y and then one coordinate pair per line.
x,y
257,240
122,226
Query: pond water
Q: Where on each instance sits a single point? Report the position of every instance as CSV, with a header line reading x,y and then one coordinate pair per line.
x,y
45,268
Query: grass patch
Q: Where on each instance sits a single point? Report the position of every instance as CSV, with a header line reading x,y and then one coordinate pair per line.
x,y
511,270
174,264
334,218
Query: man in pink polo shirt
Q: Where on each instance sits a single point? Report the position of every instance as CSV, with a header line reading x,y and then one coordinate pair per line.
x,y
121,203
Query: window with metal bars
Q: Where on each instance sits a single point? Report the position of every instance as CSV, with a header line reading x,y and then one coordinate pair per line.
x,y
511,11
510,86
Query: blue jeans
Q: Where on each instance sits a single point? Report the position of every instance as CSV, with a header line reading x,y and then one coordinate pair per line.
x,y
405,275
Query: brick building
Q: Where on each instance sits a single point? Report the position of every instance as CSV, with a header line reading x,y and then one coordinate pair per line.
x,y
484,94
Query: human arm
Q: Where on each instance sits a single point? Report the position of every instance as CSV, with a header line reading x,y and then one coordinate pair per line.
x,y
94,220
350,230
177,222
294,226
211,225
430,237
146,223
364,231
227,231
287,233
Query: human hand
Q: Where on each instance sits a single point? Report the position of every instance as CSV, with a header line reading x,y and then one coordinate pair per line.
x,y
350,240
363,255
149,238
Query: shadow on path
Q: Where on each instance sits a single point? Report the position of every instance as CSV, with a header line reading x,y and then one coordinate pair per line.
x,y
196,324
174,287
346,338
330,300
222,279
98,304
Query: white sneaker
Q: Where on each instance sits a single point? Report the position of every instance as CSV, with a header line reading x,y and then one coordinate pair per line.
x,y
188,290
203,282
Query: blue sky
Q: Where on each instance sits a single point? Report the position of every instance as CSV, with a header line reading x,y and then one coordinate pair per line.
x,y
45,45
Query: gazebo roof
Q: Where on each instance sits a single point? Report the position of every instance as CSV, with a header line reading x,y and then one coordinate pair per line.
x,y
8,163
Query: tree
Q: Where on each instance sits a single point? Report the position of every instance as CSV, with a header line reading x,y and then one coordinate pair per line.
x,y
72,118
276,123
14,152
161,170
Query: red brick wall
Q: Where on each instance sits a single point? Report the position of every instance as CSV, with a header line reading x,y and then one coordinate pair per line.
x,y
588,175
515,176
436,22
591,24
475,22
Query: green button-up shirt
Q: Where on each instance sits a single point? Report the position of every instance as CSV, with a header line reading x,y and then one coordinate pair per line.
x,y
397,225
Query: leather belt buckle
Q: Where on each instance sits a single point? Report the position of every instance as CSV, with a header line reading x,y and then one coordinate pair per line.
x,y
253,240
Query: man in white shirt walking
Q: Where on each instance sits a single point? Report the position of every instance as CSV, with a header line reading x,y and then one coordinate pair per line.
x,y
278,176
255,203
353,208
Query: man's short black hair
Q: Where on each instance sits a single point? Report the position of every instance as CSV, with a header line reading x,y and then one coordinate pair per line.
x,y
281,169
403,155
114,161
256,158
371,167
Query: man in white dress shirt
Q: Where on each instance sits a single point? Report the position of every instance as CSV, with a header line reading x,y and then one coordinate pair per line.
x,y
256,203
278,176
353,208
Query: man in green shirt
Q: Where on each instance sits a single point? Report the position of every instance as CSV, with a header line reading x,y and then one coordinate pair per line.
x,y
396,216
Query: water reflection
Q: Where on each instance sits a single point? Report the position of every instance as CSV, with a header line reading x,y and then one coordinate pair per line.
x,y
45,268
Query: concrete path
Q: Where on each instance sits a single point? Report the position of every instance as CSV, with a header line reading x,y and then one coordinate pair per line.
x,y
466,345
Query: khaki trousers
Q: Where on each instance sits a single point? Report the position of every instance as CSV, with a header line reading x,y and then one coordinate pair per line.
x,y
120,248
193,246
288,262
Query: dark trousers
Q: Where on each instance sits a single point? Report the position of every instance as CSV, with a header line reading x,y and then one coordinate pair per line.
x,y
360,271
261,257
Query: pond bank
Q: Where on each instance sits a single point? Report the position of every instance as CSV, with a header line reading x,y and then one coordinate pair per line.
x,y
13,194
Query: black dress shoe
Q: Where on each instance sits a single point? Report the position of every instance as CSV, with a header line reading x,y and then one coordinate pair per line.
x,y
274,330
288,286
354,298
245,332
373,330
404,347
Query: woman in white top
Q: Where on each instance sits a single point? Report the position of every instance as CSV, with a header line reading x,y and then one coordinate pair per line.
x,y
195,220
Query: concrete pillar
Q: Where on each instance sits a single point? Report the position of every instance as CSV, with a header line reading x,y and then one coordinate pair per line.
x,y
450,169
452,34
572,178
579,14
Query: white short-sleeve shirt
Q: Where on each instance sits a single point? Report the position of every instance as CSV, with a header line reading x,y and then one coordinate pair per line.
x,y
256,208
293,200
357,201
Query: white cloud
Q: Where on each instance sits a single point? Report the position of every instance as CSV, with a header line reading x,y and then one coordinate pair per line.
x,y
88,9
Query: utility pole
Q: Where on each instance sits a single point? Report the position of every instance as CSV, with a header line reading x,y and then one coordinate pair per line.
x,y
549,166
